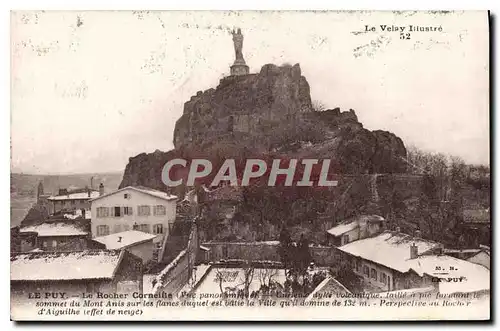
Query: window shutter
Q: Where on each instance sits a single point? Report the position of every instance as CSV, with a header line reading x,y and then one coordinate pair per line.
x,y
111,211
122,211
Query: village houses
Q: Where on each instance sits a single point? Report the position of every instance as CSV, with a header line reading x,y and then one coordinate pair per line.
x,y
393,260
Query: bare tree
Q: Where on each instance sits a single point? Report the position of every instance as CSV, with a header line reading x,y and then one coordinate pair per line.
x,y
248,273
266,275
219,278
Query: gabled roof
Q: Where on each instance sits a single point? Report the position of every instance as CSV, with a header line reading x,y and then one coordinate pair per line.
x,y
55,229
328,285
124,239
391,249
57,266
142,189
343,228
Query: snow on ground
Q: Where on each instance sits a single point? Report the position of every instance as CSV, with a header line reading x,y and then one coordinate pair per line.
x,y
234,279
147,283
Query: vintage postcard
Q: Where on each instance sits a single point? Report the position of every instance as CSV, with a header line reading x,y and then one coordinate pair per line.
x,y
253,165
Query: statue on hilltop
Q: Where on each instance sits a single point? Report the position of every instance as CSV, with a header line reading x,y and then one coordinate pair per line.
x,y
239,67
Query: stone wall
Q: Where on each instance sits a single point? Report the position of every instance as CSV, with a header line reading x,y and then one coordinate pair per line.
x,y
178,272
264,251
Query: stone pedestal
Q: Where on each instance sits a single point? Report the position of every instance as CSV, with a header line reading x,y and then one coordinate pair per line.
x,y
239,69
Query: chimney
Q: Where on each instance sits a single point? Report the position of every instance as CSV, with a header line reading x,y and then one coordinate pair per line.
x,y
120,239
413,251
101,189
439,249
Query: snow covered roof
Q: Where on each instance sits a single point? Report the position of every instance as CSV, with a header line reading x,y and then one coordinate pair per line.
x,y
475,276
75,196
142,189
124,239
55,229
343,228
390,249
95,264
328,285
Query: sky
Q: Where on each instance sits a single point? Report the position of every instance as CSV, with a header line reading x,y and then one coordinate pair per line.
x,y
91,89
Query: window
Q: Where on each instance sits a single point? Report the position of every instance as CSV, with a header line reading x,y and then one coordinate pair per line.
x,y
374,274
54,243
144,228
45,244
366,271
126,196
383,278
160,210
127,211
118,211
144,211
158,229
102,211
102,230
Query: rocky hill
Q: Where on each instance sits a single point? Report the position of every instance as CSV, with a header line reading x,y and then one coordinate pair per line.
x,y
270,113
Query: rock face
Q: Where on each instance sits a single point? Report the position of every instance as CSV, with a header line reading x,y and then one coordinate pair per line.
x,y
245,104
270,113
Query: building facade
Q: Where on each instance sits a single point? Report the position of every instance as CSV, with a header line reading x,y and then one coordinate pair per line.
x,y
133,208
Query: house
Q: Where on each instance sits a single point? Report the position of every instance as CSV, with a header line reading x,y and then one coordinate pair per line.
x,y
355,228
108,271
133,208
136,242
71,200
56,236
393,261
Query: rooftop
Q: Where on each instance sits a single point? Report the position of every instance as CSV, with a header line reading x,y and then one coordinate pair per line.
x,y
75,196
343,228
96,264
353,223
142,189
476,276
391,249
328,285
124,239
54,229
